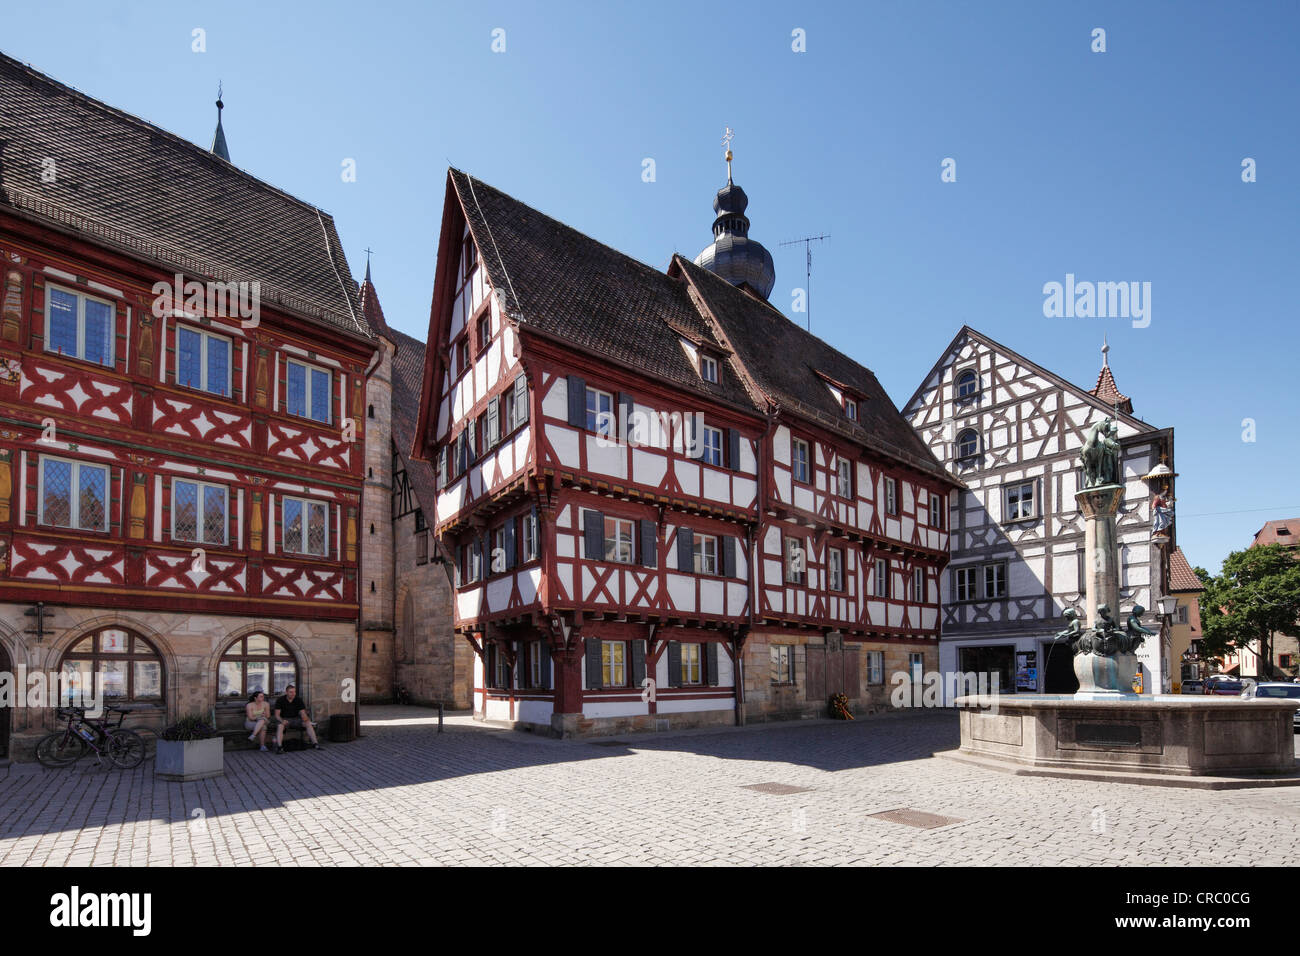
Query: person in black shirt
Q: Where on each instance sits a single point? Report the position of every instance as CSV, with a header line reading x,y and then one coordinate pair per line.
x,y
291,711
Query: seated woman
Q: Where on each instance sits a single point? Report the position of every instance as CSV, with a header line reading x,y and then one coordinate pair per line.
x,y
257,712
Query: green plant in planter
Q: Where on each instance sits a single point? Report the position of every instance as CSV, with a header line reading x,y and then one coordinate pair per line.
x,y
190,727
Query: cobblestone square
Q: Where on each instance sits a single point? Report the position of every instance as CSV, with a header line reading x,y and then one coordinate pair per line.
x,y
816,793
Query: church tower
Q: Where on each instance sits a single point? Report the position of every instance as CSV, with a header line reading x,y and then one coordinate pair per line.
x,y
732,254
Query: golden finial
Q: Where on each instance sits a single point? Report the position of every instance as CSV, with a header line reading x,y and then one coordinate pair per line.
x,y
727,137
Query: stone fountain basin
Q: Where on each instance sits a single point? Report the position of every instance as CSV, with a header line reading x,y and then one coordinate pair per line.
x,y
1132,734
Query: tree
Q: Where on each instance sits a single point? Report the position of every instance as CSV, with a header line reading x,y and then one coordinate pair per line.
x,y
1256,595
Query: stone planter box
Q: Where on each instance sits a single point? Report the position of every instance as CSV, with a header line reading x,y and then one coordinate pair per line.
x,y
189,759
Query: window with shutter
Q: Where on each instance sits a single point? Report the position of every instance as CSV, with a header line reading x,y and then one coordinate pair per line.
x,y
508,543
493,424
625,406
577,402
649,544
529,536
733,449
674,664
711,663
520,403
544,668
691,662
685,550
705,553
593,534
638,663
729,545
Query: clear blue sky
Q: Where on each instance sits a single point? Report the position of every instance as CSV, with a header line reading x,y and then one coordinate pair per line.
x,y
1115,166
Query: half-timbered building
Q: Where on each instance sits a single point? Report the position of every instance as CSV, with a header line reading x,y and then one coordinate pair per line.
x,y
665,503
1011,431
183,369
407,643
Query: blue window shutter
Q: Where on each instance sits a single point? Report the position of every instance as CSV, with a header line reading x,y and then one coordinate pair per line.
x,y
728,555
685,550
649,543
593,533
545,667
510,542
492,423
593,663
577,402
711,663
487,557
733,449
638,663
674,664
624,415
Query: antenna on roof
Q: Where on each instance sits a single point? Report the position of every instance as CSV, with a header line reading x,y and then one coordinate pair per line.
x,y
807,251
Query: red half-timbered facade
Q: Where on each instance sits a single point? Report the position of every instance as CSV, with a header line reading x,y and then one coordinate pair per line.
x,y
642,503
180,476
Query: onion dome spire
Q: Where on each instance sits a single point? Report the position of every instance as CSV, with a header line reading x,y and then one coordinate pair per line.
x,y
732,254
219,138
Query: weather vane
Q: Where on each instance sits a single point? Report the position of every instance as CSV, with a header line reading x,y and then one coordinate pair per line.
x,y
727,137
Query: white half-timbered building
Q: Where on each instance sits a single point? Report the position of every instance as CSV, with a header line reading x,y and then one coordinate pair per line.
x,y
665,503
1011,431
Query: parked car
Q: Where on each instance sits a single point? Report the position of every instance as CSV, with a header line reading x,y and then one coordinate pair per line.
x,y
1225,685
1273,690
1195,687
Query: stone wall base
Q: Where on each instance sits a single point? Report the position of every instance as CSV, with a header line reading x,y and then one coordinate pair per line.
x,y
577,725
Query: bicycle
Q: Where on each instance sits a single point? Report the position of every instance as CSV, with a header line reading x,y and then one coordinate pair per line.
x,y
124,748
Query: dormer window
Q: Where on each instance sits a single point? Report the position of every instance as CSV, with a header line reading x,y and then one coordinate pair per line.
x,y
851,409
708,368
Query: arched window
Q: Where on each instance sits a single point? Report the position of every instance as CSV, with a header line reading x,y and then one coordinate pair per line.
x,y
968,444
253,663
968,384
127,667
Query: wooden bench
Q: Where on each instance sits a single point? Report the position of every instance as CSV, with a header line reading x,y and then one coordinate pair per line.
x,y
238,739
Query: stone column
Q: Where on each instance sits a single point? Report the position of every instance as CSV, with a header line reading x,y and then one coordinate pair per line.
x,y
1100,505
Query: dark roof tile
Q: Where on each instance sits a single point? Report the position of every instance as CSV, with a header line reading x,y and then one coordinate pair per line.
x,y
791,366
561,283
133,185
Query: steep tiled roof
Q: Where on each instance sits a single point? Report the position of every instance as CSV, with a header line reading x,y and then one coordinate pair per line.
x,y
1181,575
1282,531
132,185
791,365
1109,392
408,377
561,283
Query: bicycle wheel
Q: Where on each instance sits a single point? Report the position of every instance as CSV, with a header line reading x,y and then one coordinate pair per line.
x,y
60,749
125,748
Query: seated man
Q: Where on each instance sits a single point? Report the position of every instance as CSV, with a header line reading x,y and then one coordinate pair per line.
x,y
291,711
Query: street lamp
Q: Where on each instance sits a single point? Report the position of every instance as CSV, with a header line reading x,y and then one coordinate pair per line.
x,y
1168,605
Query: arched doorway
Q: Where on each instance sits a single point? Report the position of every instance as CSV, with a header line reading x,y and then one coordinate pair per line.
x,y
5,712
